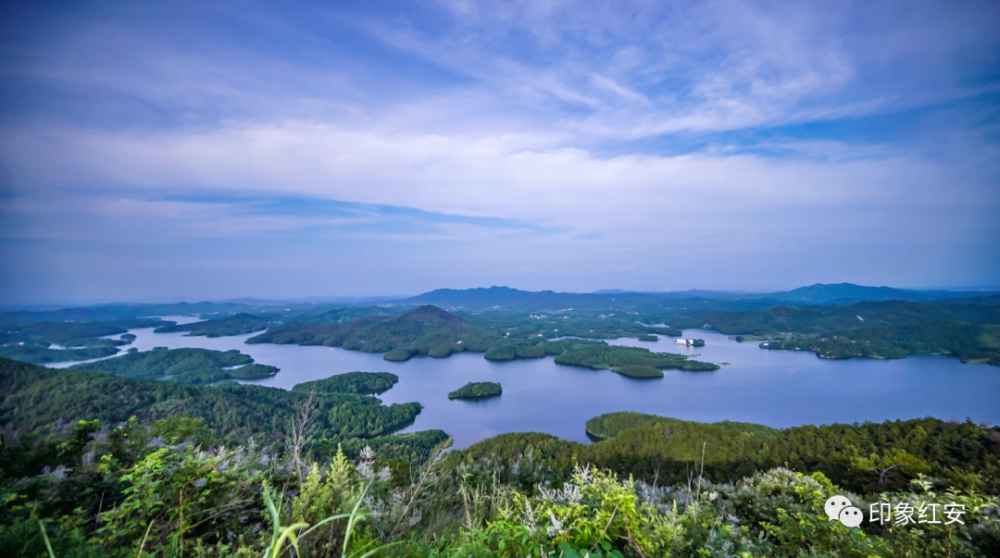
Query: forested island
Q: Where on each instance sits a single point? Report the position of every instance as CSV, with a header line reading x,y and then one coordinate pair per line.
x,y
431,331
473,390
968,328
835,321
186,366
629,361
33,342
74,463
362,383
237,324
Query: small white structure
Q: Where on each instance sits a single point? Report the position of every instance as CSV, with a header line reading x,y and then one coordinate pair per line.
x,y
687,342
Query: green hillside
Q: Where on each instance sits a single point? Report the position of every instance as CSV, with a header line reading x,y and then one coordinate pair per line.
x,y
186,366
237,324
426,330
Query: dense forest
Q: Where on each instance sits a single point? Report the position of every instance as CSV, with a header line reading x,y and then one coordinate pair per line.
x,y
40,401
968,329
237,324
361,383
423,331
474,390
110,460
186,366
826,319
436,333
629,361
251,471
33,342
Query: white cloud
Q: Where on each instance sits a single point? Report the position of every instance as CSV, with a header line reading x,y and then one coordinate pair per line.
x,y
687,196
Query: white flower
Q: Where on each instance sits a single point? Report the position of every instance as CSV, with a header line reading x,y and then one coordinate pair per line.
x,y
557,527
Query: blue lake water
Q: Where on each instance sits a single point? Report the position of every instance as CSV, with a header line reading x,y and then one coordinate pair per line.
x,y
776,388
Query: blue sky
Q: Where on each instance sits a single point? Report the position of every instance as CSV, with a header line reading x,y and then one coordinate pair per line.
x,y
183,150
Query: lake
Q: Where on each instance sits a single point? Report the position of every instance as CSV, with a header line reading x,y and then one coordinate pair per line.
x,y
776,388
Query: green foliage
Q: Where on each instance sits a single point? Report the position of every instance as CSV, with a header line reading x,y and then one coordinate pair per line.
x,y
890,329
186,366
416,332
629,361
80,341
39,398
639,371
609,425
237,324
476,389
869,457
361,383
138,491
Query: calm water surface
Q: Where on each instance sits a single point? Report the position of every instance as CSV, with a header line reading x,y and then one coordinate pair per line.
x,y
775,388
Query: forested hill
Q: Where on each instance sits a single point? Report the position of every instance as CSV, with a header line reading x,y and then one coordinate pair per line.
x,y
37,400
968,329
237,324
426,330
845,293
106,312
508,298
217,472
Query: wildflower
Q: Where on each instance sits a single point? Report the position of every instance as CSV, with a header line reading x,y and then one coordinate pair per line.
x,y
529,517
556,528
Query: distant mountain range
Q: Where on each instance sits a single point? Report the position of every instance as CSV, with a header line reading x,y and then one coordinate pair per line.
x,y
344,309
842,293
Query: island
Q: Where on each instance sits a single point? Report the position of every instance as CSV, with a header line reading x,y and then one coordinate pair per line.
x,y
237,324
186,366
47,342
475,390
361,383
633,362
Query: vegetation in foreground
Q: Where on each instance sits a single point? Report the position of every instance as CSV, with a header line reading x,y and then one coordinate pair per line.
x,y
474,390
170,489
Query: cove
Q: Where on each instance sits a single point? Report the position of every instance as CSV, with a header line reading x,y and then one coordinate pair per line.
x,y
775,388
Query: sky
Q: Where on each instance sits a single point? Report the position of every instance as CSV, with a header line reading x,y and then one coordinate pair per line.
x,y
189,150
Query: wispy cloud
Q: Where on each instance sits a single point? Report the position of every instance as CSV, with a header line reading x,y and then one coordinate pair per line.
x,y
628,132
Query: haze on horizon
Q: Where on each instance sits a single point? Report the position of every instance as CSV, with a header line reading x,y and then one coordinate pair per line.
x,y
193,150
